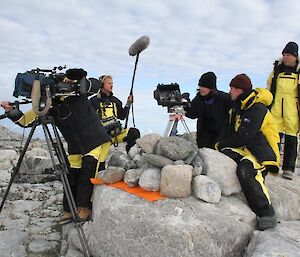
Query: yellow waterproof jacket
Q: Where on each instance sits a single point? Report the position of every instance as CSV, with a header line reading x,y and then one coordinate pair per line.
x,y
252,126
283,83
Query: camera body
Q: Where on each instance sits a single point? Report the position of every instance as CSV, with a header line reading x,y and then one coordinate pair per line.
x,y
48,78
168,94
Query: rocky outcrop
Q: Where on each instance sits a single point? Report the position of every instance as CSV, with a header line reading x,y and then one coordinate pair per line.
x,y
214,221
29,219
205,223
126,225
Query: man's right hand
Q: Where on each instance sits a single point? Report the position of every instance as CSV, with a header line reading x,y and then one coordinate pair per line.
x,y
6,106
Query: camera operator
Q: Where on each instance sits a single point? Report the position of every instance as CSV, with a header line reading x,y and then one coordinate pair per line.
x,y
210,106
109,109
80,126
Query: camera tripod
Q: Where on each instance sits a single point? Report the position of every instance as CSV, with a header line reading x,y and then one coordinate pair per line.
x,y
176,115
53,144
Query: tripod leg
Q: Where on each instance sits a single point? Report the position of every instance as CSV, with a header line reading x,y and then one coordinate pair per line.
x,y
185,126
62,157
171,129
17,167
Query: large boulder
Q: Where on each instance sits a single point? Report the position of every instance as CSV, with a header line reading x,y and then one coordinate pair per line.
x,y
206,189
150,179
285,196
221,169
282,241
125,225
148,142
37,169
176,181
121,159
174,148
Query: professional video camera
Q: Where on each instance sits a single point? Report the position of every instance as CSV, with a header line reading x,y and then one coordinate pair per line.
x,y
73,82
168,95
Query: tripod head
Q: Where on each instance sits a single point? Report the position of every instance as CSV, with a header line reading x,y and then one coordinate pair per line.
x,y
177,113
176,109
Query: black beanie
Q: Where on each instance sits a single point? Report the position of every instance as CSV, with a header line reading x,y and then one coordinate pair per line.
x,y
208,80
291,48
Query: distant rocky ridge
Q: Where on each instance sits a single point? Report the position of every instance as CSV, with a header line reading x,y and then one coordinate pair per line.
x,y
211,222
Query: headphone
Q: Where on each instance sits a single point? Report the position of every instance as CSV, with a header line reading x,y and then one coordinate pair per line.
x,y
101,79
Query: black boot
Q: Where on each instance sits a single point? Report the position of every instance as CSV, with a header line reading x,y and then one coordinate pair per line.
x,y
266,222
132,135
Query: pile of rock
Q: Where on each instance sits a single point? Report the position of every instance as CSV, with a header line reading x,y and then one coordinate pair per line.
x,y
175,167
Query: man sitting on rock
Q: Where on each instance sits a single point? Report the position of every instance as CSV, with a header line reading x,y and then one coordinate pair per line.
x,y
252,142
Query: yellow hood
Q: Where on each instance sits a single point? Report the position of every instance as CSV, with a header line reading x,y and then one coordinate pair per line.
x,y
258,95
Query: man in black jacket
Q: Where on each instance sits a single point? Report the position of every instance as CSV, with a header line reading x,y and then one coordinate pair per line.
x,y
80,126
210,107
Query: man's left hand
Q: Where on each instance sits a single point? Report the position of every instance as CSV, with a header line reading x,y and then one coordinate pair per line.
x,y
130,99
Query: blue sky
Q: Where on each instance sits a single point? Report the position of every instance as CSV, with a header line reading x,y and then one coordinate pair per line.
x,y
187,38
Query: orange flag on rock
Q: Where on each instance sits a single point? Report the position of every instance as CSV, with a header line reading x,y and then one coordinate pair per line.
x,y
149,196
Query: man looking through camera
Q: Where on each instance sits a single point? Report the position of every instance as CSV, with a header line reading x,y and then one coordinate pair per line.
x,y
210,107
109,109
86,137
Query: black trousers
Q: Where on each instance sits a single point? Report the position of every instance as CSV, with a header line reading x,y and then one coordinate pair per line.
x,y
251,185
290,152
81,186
206,139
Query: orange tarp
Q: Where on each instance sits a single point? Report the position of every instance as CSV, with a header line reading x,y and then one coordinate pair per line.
x,y
149,196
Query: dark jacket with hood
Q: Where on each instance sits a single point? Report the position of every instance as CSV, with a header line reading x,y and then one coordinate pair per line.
x,y
251,125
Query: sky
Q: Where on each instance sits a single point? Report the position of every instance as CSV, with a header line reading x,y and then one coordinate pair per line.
x,y
187,39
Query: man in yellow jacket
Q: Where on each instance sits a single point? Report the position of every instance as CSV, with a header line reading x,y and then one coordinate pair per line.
x,y
283,83
250,138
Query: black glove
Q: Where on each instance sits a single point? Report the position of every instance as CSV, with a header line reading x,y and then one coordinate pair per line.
x,y
15,114
76,74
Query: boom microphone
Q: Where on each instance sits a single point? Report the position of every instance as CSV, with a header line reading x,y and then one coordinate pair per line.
x,y
139,45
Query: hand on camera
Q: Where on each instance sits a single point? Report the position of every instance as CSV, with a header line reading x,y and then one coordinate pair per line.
x,y
185,97
6,106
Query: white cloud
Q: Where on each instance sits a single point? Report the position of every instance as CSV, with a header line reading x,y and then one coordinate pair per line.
x,y
188,38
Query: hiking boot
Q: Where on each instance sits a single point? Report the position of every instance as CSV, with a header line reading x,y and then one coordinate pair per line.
x,y
66,218
83,213
266,222
287,174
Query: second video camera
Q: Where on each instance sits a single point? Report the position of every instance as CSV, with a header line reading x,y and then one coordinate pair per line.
x,y
168,94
